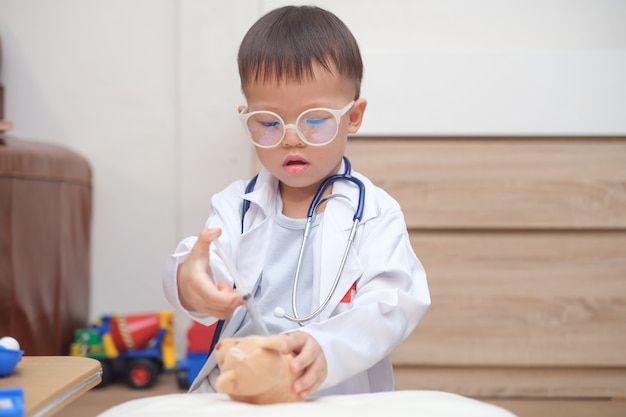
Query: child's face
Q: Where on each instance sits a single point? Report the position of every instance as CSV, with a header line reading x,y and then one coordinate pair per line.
x,y
296,164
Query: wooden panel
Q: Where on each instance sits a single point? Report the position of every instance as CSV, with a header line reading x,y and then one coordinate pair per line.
x,y
524,244
521,298
516,382
500,183
558,408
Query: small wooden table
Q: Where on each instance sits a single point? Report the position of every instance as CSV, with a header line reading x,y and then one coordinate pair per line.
x,y
52,382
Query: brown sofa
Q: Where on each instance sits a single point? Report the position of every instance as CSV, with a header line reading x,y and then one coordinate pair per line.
x,y
45,217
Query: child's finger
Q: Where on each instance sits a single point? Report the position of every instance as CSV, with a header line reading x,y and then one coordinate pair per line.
x,y
196,285
200,250
311,379
310,359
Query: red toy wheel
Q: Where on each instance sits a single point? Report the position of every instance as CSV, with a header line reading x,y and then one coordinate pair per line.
x,y
142,373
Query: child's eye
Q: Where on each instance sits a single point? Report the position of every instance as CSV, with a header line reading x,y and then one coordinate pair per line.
x,y
270,124
314,121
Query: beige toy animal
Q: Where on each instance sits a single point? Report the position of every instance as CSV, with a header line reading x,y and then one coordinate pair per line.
x,y
254,370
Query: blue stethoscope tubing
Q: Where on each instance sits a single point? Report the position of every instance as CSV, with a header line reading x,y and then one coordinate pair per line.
x,y
356,219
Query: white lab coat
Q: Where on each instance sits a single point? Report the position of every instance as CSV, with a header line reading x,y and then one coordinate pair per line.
x,y
357,337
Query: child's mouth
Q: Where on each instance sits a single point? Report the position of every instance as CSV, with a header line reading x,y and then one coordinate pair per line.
x,y
295,166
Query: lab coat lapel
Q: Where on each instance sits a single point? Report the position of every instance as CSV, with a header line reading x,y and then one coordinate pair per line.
x,y
231,326
334,237
233,322
258,223
254,243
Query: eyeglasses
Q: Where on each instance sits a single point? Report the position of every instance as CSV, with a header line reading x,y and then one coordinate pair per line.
x,y
316,127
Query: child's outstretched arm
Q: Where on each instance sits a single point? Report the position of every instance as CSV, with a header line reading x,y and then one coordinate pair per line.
x,y
196,288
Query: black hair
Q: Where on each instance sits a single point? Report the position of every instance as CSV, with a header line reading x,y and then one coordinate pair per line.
x,y
287,43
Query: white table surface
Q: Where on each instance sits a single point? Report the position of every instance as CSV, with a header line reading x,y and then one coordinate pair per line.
x,y
397,403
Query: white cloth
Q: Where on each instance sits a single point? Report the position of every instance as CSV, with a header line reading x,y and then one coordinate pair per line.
x,y
357,336
392,404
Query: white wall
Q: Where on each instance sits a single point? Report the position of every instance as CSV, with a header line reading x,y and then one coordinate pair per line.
x,y
489,67
147,90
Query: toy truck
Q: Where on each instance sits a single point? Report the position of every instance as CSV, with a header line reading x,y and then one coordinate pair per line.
x,y
199,339
139,347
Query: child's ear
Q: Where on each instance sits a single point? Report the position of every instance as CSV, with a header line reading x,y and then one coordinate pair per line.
x,y
356,115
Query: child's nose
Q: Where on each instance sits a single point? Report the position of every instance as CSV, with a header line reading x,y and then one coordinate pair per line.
x,y
291,136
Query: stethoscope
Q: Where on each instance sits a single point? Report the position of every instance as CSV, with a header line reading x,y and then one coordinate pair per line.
x,y
317,200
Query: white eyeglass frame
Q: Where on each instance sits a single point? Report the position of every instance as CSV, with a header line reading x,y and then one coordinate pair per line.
x,y
338,114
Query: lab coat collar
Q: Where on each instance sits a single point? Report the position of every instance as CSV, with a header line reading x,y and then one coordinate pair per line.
x,y
263,197
266,190
350,190
338,220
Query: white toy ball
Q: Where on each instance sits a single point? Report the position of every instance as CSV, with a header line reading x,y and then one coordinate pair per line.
x,y
9,343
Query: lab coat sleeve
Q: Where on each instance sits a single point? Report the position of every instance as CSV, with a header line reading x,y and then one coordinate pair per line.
x,y
226,219
391,298
170,283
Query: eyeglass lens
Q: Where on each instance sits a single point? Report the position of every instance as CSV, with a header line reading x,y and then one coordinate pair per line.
x,y
316,127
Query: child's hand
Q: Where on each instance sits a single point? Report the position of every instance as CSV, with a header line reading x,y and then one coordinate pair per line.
x,y
196,288
310,358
